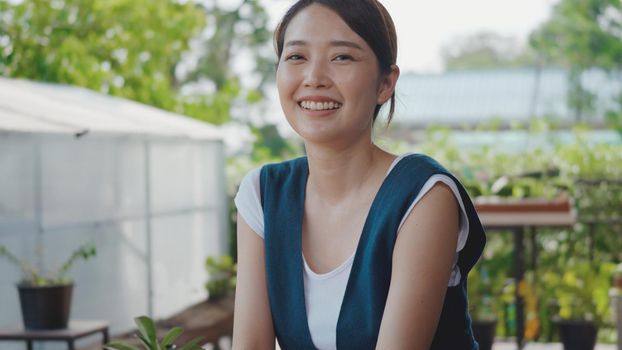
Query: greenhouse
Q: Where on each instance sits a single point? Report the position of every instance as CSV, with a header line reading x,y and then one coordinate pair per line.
x,y
145,186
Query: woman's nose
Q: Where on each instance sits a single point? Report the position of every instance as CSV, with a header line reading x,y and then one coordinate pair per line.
x,y
316,75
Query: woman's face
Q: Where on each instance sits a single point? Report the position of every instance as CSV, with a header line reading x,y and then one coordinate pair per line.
x,y
328,78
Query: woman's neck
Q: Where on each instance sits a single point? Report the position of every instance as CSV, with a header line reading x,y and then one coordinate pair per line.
x,y
336,175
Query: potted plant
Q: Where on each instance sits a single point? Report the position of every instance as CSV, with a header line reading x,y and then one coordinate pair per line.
x,y
147,334
482,307
222,276
45,298
581,294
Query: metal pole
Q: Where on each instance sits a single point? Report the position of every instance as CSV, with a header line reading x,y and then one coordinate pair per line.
x,y
519,272
224,200
38,202
150,292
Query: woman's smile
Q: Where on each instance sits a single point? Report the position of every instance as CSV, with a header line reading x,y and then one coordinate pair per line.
x,y
319,106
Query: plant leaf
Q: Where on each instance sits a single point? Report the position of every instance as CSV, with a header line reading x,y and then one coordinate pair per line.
x,y
147,343
146,327
170,337
120,346
193,344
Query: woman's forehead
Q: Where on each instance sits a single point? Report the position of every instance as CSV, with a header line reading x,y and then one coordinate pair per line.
x,y
318,24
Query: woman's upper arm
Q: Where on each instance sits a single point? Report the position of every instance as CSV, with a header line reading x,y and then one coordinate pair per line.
x,y
422,264
252,322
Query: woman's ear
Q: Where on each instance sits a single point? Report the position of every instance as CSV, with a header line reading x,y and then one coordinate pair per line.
x,y
387,85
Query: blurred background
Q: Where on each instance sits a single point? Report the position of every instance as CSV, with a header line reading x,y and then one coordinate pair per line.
x,y
130,124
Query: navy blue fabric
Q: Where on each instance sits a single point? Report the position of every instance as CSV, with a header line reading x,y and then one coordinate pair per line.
x,y
283,188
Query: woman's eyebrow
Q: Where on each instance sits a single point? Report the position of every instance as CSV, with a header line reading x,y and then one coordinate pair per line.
x,y
338,43
346,43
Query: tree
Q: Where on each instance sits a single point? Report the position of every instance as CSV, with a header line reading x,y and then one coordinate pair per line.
x,y
243,28
137,48
486,50
582,34
233,33
127,48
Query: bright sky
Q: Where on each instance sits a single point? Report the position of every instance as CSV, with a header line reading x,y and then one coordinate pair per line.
x,y
424,26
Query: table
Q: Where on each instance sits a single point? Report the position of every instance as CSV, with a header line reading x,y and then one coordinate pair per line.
x,y
518,216
77,329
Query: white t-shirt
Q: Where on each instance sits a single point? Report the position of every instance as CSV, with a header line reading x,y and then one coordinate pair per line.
x,y
324,292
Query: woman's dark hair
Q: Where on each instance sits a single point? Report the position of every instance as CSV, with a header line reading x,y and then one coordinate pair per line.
x,y
367,18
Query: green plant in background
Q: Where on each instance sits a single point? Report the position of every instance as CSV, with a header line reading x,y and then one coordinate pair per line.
x,y
37,278
222,276
148,337
582,291
482,295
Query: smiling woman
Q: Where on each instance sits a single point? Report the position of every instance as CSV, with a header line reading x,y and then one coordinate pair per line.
x,y
350,247
322,60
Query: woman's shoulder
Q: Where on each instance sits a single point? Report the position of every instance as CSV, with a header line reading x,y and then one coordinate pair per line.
x,y
284,169
423,163
251,181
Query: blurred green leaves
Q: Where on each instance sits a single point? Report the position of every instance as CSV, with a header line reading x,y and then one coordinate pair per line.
x,y
138,49
581,290
583,33
126,48
147,333
35,276
580,35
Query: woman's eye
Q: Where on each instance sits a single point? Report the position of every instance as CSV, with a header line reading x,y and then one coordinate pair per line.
x,y
343,58
293,58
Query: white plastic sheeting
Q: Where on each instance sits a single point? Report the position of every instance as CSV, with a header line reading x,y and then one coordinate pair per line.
x,y
147,186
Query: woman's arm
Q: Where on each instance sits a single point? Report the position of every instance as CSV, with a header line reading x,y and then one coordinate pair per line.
x,y
422,263
252,322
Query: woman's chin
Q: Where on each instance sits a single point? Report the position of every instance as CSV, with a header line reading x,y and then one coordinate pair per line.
x,y
314,135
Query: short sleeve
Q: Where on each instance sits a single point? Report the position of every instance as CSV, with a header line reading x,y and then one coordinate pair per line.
x,y
463,231
248,201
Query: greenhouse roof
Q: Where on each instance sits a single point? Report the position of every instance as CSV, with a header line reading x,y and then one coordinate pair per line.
x,y
37,107
472,96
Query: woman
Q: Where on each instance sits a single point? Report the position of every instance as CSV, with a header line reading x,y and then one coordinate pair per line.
x,y
350,247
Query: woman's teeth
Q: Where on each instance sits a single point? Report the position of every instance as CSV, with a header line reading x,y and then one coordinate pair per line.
x,y
319,106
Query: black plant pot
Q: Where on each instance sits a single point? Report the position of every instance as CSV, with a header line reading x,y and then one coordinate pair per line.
x,y
484,332
577,335
45,308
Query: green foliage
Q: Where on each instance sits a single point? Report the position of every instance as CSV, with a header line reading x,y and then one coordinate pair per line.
x,y
33,277
240,31
244,27
127,48
148,337
138,49
483,296
269,143
582,34
222,276
581,290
